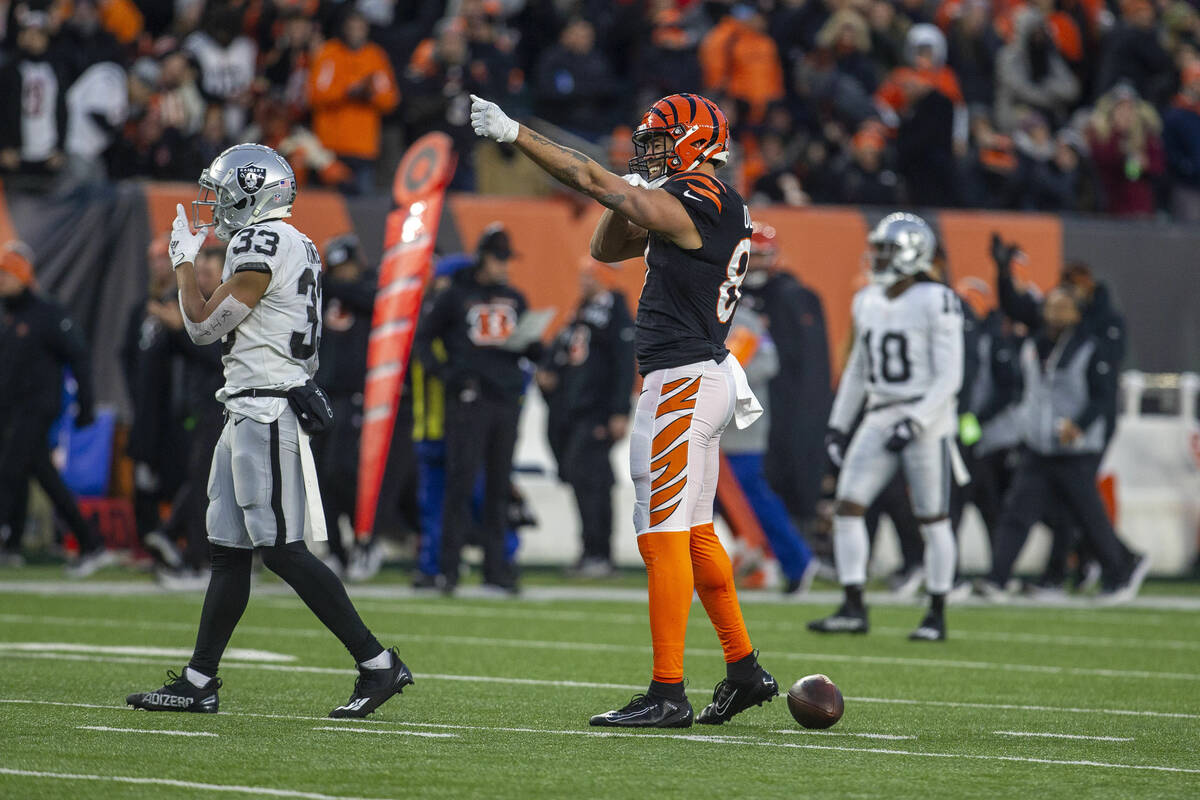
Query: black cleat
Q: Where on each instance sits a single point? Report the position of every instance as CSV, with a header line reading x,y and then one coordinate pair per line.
x,y
647,711
731,698
844,620
932,629
373,688
179,694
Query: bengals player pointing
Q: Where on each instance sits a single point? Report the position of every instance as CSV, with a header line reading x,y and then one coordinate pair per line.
x,y
695,233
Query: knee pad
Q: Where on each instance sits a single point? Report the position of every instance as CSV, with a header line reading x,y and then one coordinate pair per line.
x,y
230,559
277,558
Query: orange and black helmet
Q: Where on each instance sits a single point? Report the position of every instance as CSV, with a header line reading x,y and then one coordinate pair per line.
x,y
696,127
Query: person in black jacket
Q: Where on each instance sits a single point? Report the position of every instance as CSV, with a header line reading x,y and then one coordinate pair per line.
x,y
157,442
349,304
33,133
37,340
593,371
576,83
796,445
474,318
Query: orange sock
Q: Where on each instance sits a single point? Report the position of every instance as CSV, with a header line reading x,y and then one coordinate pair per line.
x,y
714,583
669,573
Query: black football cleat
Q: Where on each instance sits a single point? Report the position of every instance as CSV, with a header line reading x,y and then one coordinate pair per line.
x,y
647,711
730,698
374,687
931,629
179,694
844,620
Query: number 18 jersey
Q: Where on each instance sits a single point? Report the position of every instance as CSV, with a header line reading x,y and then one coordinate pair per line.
x,y
275,347
905,347
690,295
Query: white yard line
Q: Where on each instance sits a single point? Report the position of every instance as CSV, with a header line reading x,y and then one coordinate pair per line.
x,y
259,791
1124,712
425,734
639,620
598,594
1065,736
143,730
890,736
236,653
809,658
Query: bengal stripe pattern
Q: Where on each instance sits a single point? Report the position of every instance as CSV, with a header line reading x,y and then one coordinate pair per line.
x,y
669,450
704,185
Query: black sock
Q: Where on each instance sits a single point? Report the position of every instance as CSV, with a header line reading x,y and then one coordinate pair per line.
x,y
671,691
324,594
224,602
854,598
937,604
742,670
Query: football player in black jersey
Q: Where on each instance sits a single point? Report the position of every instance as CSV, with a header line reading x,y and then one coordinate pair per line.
x,y
695,233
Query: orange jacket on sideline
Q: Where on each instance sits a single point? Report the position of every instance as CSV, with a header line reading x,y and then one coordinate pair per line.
x,y
347,126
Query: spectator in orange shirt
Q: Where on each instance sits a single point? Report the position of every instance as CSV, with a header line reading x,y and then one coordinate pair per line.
x,y
741,61
351,87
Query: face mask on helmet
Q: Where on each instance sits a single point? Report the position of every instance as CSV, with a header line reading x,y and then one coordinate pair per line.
x,y
222,209
654,155
898,248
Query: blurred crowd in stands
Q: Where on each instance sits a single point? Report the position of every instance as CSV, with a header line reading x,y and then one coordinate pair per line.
x,y
1053,105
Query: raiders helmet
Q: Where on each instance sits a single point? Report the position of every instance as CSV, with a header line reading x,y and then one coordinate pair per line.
x,y
901,245
248,183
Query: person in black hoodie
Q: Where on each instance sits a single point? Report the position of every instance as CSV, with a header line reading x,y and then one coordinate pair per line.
x,y
474,318
37,340
594,373
349,289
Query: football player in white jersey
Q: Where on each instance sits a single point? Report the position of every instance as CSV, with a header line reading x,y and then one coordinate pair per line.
x,y
906,367
262,490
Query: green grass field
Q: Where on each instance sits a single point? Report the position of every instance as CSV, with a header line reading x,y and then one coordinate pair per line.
x,y
504,689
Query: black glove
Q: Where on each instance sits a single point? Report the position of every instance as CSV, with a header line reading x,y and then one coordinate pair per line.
x,y
84,418
903,432
835,446
1002,254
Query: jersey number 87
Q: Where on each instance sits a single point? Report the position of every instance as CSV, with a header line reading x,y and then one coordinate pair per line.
x,y
735,272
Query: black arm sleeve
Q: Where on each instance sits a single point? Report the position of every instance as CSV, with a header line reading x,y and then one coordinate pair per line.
x,y
1018,306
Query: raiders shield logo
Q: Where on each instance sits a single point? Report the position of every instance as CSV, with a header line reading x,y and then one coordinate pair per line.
x,y
251,178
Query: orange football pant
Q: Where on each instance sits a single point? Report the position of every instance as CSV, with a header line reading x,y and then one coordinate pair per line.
x,y
678,562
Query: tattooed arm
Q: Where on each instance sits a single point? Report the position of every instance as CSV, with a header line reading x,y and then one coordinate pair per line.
x,y
649,209
616,238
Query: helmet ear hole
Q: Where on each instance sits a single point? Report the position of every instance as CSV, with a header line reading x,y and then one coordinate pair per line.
x,y
240,204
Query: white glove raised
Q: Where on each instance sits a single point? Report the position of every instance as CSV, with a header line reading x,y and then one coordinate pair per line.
x,y
184,244
489,121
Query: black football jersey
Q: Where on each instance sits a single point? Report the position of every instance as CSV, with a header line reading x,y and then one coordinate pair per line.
x,y
690,295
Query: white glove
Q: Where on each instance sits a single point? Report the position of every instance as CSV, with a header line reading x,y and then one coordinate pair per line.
x,y
184,244
489,121
633,179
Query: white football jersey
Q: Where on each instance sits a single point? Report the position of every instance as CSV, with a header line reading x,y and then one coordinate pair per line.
x,y
275,347
908,355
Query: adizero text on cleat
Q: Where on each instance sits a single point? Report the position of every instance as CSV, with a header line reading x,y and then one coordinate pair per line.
x,y
179,694
647,711
730,698
373,688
